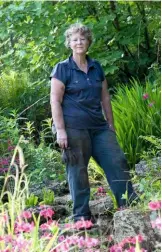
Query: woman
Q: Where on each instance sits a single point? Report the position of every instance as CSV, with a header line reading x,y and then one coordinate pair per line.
x,y
83,119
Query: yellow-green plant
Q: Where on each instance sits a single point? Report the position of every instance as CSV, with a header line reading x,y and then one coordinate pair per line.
x,y
32,200
136,112
16,189
48,196
96,173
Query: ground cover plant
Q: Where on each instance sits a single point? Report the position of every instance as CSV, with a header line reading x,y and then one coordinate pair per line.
x,y
21,230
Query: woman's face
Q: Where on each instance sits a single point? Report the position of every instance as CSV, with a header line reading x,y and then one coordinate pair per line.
x,y
79,43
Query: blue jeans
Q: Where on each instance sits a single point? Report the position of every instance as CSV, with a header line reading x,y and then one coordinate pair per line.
x,y
104,148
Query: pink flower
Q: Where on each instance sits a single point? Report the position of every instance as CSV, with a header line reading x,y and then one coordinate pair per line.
x,y
26,214
153,224
61,238
4,161
69,225
23,227
101,190
21,244
47,213
131,249
151,104
139,238
5,217
155,205
1,238
110,238
48,224
44,226
47,235
83,224
10,148
63,247
8,238
115,248
158,223
81,242
145,96
3,169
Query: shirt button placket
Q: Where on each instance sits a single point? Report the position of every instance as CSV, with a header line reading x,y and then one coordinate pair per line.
x,y
89,83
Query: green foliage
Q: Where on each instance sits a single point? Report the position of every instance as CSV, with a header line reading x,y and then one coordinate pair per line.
x,y
12,210
154,149
126,35
28,98
48,197
31,201
149,185
8,130
111,195
44,164
93,193
135,116
96,173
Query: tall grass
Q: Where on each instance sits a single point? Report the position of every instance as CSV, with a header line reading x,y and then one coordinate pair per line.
x,y
16,189
21,231
135,116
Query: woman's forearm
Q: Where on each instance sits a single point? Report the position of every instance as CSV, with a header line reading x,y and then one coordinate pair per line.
x,y
57,115
107,109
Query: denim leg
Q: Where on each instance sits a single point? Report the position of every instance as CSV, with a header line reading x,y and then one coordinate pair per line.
x,y
79,142
108,154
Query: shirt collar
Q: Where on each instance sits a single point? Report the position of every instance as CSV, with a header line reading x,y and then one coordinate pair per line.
x,y
73,65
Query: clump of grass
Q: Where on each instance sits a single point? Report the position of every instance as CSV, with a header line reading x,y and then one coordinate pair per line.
x,y
137,113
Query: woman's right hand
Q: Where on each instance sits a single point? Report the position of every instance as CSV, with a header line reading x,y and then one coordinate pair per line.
x,y
62,138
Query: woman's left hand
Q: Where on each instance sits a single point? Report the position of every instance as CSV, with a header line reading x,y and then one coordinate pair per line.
x,y
112,127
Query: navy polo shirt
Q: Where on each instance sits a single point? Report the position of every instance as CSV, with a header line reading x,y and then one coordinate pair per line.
x,y
82,98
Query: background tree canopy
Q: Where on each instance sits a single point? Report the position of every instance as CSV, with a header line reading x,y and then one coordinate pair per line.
x,y
126,36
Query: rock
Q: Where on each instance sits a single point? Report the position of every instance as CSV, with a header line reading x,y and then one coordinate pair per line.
x,y
131,223
105,224
102,228
66,199
59,189
101,206
61,212
144,166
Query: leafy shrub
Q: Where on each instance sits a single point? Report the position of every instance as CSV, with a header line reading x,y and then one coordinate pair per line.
x,y
9,131
149,185
48,197
136,112
31,201
43,164
30,99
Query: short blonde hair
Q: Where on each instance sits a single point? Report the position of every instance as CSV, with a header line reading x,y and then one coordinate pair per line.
x,y
75,28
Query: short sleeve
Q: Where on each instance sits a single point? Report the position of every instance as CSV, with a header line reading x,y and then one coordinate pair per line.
x,y
59,73
100,70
